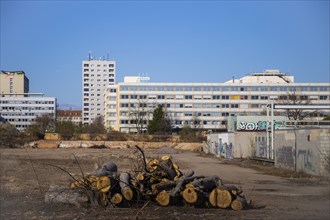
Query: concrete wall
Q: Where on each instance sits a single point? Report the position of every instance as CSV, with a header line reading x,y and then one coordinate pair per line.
x,y
116,144
305,150
231,145
312,155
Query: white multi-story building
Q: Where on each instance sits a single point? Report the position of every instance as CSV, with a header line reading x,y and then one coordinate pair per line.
x,y
206,105
22,109
96,76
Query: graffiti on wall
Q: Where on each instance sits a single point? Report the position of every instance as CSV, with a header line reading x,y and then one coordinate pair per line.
x,y
226,150
307,157
258,126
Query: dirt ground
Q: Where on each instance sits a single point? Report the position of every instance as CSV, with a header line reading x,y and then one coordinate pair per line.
x,y
278,194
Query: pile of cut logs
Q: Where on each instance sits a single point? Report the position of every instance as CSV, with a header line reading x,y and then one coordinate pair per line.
x,y
162,182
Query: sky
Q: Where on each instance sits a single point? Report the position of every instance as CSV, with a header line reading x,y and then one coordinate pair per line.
x,y
170,41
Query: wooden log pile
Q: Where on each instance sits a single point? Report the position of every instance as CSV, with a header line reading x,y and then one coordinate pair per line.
x,y
159,181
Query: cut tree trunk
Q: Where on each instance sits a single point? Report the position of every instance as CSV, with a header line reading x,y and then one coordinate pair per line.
x,y
220,198
156,188
124,183
163,198
231,188
103,184
116,199
239,203
206,184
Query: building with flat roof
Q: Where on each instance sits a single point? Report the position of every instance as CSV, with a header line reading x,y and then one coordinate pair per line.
x,y
206,105
13,82
96,76
21,110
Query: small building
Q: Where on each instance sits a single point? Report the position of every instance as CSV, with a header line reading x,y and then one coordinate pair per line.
x,y
69,115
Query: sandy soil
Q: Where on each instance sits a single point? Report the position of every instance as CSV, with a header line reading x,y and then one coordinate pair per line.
x,y
25,177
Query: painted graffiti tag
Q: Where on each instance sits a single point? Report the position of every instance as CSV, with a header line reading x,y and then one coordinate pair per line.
x,y
259,126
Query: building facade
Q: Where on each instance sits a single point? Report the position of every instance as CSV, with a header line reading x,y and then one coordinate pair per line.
x,y
13,82
21,110
96,76
69,115
206,105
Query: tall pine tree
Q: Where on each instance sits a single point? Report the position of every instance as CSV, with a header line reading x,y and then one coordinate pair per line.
x,y
159,124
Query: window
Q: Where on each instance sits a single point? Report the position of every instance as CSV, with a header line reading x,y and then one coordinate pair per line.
x,y
304,88
225,97
197,88
314,89
188,97
263,88
206,106
134,97
283,88
161,97
207,88
255,106
215,88
323,97
111,65
225,88
124,96
234,105
324,88
264,97
254,97
255,88
143,97
292,89
85,70
86,65
216,97
225,106
273,88
242,89
243,97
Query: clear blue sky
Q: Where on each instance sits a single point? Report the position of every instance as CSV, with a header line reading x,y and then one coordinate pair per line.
x,y
186,41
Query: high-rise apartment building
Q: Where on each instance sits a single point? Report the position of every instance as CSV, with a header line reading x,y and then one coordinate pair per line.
x,y
207,105
13,82
96,76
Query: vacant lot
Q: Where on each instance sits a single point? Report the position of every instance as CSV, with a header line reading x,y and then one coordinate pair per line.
x,y
25,178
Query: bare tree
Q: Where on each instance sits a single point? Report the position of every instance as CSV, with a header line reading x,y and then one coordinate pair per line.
x,y
292,98
196,122
139,113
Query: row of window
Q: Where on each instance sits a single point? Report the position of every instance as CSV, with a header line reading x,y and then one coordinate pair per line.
x,y
224,97
181,122
98,70
11,108
226,88
25,102
99,65
151,105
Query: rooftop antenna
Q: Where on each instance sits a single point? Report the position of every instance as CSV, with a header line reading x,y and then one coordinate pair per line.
x,y
108,56
233,79
89,55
